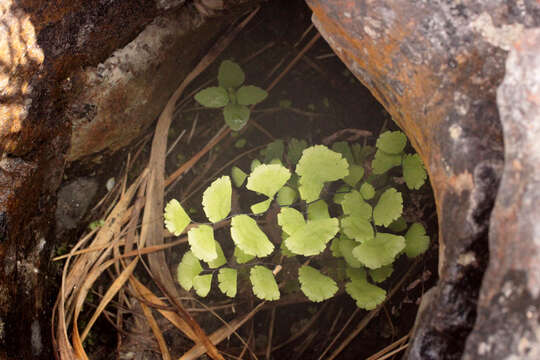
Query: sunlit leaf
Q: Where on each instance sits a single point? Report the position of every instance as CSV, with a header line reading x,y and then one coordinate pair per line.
x,y
268,179
230,74
356,172
176,218
236,116
353,204
380,251
255,164
203,245
413,171
334,248
220,260
367,191
316,286
311,238
264,284
357,228
227,279
187,269
340,193
212,97
286,196
416,240
346,246
202,284
290,220
388,208
366,295
318,210
241,257
247,235
317,166
381,274
384,162
392,142
261,206
250,95
217,199
238,176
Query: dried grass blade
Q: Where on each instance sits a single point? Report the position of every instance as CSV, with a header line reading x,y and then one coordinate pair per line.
x,y
173,317
221,334
109,294
157,332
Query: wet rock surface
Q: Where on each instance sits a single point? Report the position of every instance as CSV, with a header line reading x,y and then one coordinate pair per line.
x,y
508,323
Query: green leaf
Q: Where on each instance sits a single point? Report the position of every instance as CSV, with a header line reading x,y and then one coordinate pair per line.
x,y
240,143
286,196
294,150
220,260
238,176
203,245
217,199
344,149
274,150
264,284
176,218
413,171
249,237
250,95
416,240
241,257
367,191
353,204
318,210
356,172
398,225
392,142
316,286
357,228
334,248
261,207
382,273
227,279
340,193
346,246
317,166
255,164
268,179
230,75
187,269
236,116
389,207
384,162
212,97
380,251
366,295
312,237
202,284
284,251
362,153
290,220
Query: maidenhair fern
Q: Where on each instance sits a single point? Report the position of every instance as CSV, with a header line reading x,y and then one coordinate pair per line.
x,y
364,227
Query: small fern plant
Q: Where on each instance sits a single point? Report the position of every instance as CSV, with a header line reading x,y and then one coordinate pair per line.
x,y
231,95
366,234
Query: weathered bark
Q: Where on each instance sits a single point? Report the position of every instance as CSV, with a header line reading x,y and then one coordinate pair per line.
x,y
435,66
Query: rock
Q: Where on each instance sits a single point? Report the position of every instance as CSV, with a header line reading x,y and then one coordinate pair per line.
x,y
508,323
435,67
73,201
